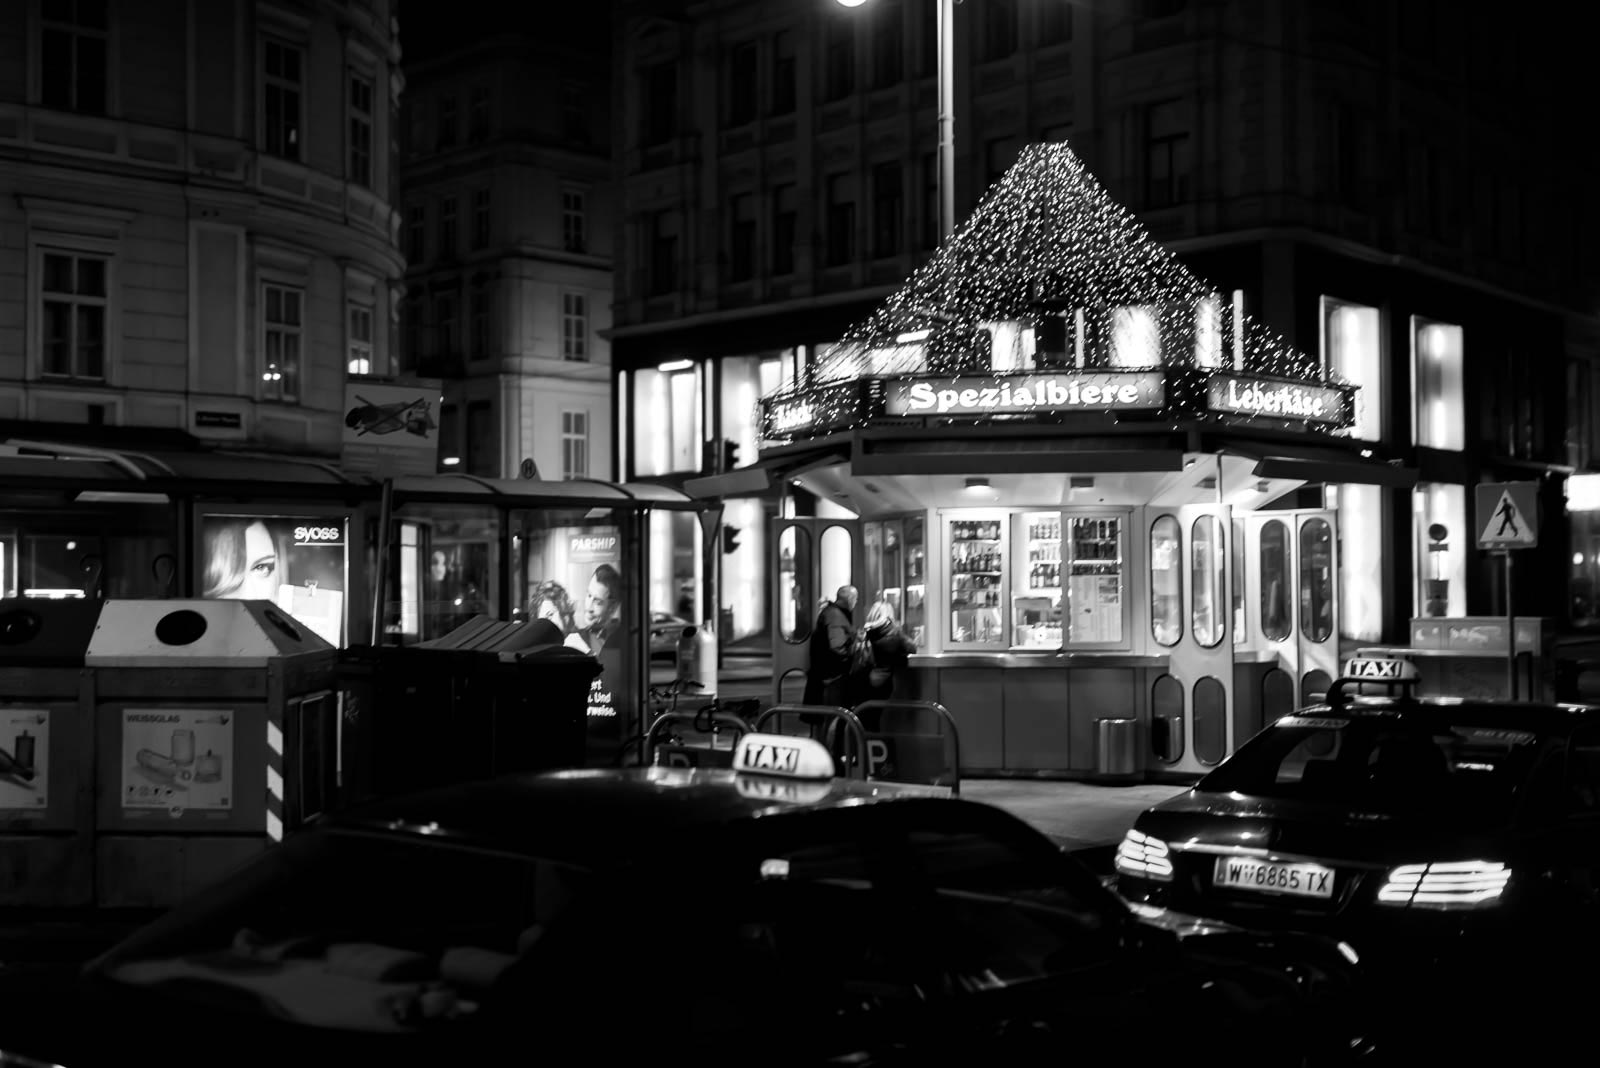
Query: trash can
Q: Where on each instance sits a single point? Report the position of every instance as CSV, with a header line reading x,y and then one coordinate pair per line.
x,y
46,752
216,724
1116,748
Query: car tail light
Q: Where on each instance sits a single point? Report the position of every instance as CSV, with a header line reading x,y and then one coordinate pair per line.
x,y
1144,856
1449,885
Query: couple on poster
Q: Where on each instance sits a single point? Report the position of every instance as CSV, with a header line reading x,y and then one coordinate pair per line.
x,y
601,616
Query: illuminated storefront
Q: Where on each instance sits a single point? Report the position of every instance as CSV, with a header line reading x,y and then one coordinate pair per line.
x,y
1086,484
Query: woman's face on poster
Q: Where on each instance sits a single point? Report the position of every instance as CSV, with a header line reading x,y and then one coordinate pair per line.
x,y
551,611
260,565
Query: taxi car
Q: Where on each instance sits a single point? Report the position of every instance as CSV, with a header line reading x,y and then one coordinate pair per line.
x,y
1452,840
769,913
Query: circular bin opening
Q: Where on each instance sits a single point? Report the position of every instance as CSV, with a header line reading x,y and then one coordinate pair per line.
x,y
19,626
281,621
182,627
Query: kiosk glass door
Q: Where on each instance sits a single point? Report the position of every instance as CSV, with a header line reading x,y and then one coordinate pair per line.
x,y
1291,604
1191,610
811,558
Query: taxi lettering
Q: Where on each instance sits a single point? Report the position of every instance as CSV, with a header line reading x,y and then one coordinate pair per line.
x,y
1375,669
781,758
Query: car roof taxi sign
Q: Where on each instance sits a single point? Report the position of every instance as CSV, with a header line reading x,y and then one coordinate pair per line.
x,y
782,756
1373,676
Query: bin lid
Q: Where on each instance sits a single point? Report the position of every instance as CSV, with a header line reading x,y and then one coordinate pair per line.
x,y
40,632
196,633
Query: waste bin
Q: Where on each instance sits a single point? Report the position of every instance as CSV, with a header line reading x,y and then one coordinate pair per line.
x,y
1116,748
46,753
478,703
217,732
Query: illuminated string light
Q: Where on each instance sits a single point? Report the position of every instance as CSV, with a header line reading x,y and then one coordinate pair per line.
x,y
1048,239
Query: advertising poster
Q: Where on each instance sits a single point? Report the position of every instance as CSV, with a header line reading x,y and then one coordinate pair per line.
x,y
24,758
391,429
177,758
582,593
296,562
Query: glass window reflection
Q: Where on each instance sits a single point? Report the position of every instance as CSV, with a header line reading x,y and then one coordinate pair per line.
x,y
1206,580
1166,581
1316,579
1275,581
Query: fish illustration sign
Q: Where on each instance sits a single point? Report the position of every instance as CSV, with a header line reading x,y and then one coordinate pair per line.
x,y
391,429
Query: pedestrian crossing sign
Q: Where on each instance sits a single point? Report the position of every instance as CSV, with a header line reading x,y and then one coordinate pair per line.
x,y
1508,515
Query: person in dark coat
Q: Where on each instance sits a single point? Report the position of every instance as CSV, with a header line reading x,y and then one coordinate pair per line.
x,y
830,649
891,652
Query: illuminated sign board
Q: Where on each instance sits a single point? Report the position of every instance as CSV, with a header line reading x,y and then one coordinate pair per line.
x,y
813,412
1253,395
1024,394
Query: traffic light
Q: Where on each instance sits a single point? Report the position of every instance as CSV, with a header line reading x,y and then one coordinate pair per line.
x,y
730,538
730,454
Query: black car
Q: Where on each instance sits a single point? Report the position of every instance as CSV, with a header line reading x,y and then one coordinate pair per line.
x,y
1453,843
768,914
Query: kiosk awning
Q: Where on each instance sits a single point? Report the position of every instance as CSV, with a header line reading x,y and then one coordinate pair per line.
x,y
1320,463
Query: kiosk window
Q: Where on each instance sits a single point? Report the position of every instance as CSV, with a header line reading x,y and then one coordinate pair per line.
x,y
1209,594
1275,579
1166,581
1316,579
794,584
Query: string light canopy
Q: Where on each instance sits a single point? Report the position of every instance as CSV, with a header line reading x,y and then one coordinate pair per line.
x,y
1049,270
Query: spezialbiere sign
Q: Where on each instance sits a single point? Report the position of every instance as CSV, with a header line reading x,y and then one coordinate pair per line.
x,y
1236,394
1019,394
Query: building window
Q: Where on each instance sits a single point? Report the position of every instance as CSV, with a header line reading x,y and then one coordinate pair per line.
x,y
417,134
574,326
1135,337
449,436
447,122
1055,22
888,204
281,343
360,358
841,237
1166,155
416,232
1208,332
663,237
412,322
741,107
1351,349
784,221
742,238
478,114
574,113
73,297
928,41
1436,381
74,42
445,342
1581,410
1441,540
930,200
783,77
280,100
447,227
574,216
660,104
887,68
481,459
839,55
480,218
478,322
574,444
999,29
361,131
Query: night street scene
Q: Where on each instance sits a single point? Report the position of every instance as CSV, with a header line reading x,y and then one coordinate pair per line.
x,y
798,532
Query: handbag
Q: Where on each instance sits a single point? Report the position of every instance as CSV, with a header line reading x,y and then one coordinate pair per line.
x,y
861,658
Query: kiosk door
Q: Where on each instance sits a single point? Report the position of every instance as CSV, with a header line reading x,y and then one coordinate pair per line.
x,y
1196,631
810,559
1291,596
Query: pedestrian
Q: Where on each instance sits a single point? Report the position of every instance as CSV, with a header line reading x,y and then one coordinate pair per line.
x,y
830,650
891,652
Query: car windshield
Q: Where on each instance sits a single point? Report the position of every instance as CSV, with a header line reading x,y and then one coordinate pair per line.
x,y
1392,765
350,931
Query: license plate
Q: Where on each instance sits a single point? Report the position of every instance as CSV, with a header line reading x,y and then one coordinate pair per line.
x,y
1272,877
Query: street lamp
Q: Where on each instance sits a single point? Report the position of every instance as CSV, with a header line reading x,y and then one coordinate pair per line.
x,y
945,25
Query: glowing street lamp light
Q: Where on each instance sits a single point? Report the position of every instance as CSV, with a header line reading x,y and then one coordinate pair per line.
x,y
947,132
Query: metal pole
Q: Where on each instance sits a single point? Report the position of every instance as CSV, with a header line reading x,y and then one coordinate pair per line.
x,y
385,515
947,122
1511,633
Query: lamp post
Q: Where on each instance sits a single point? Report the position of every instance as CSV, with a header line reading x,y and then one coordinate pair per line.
x,y
945,26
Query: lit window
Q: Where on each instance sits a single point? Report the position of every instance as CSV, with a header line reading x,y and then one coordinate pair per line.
x,y
360,359
73,301
1362,590
1135,337
1436,368
74,37
574,326
280,100
1208,332
574,444
281,338
1441,537
1350,349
